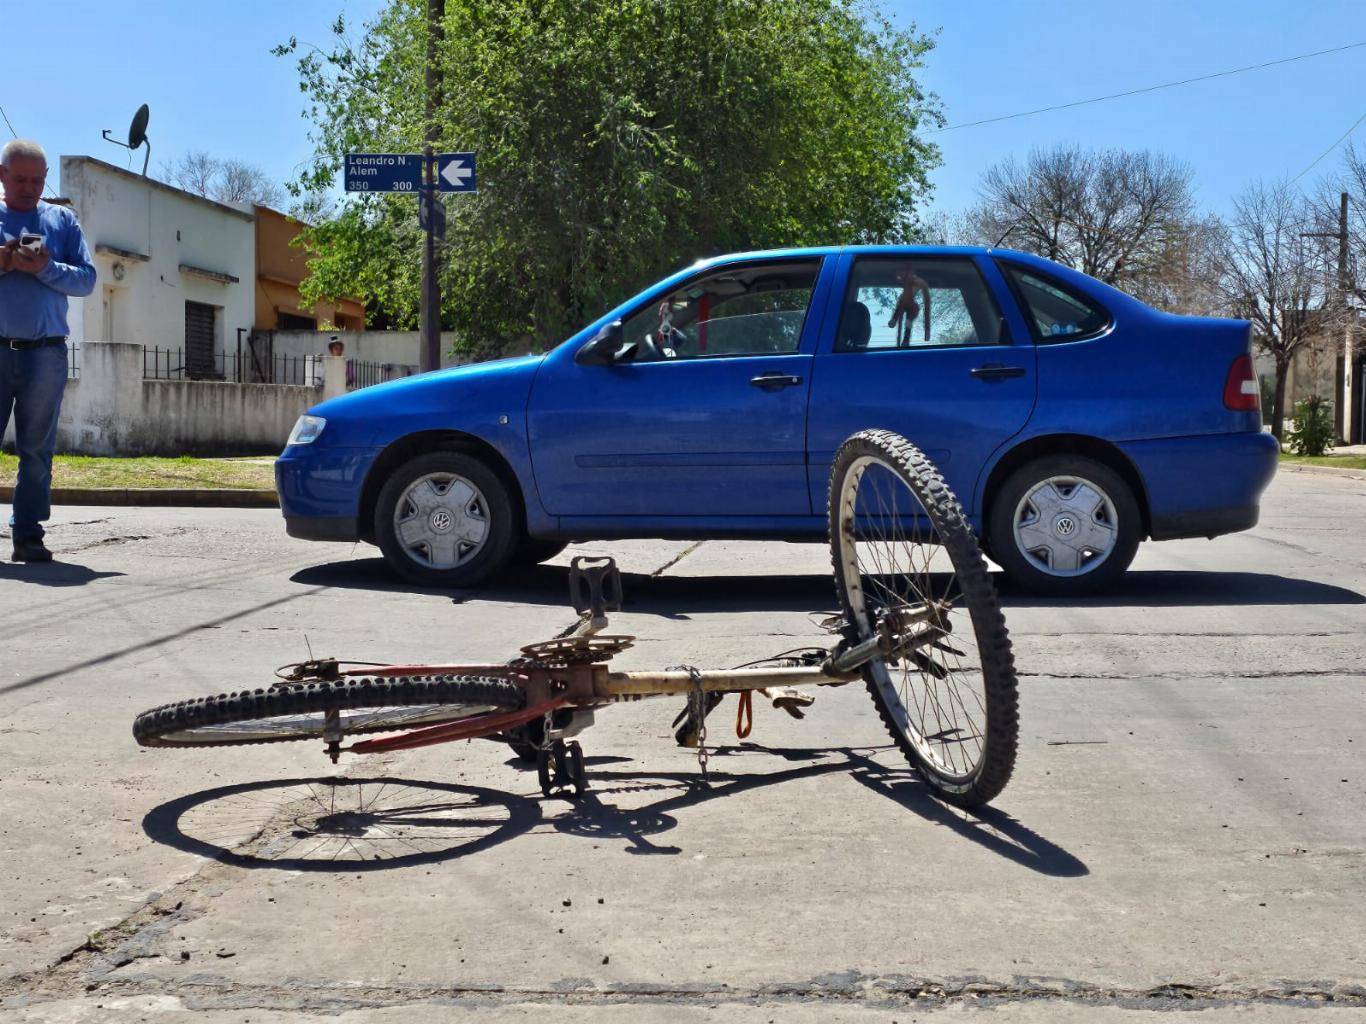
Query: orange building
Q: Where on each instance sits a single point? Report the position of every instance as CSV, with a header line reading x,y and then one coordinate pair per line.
x,y
280,267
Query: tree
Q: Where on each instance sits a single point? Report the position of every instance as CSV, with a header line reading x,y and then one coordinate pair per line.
x,y
223,180
1272,276
1124,217
617,140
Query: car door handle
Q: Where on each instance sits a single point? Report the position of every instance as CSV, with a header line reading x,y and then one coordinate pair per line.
x,y
997,371
773,381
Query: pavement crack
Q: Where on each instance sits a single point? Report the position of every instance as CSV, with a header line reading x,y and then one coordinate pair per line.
x,y
677,558
206,992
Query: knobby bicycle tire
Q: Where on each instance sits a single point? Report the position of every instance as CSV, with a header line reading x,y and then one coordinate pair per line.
x,y
415,700
952,534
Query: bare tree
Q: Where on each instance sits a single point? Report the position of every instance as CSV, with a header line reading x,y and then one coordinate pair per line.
x,y
223,180
1274,277
1125,217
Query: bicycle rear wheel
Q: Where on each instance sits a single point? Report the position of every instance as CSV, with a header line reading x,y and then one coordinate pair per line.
x,y
903,552
325,709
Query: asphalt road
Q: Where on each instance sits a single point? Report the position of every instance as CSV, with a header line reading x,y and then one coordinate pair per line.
x,y
1186,827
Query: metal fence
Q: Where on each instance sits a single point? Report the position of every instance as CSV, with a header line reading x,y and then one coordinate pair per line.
x,y
73,363
363,375
231,367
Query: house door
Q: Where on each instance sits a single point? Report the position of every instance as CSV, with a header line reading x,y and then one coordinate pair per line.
x,y
199,341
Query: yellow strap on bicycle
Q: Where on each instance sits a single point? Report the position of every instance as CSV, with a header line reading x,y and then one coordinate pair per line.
x,y
744,714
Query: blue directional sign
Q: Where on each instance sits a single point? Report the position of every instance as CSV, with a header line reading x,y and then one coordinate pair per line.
x,y
455,173
384,172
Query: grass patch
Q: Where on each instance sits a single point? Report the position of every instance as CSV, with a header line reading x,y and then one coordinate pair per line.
x,y
1341,461
184,472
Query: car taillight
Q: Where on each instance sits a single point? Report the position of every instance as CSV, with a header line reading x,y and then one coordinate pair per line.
x,y
1241,390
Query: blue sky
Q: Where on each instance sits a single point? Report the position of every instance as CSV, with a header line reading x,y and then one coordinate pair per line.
x,y
206,70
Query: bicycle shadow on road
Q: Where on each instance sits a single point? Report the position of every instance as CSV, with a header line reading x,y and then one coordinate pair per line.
x,y
359,824
668,596
338,824
989,827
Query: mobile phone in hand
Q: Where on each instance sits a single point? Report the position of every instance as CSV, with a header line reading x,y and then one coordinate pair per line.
x,y
28,240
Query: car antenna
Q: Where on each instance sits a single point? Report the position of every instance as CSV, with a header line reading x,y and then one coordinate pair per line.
x,y
1010,230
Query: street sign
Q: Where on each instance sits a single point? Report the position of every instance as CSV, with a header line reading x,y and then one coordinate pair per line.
x,y
431,213
383,172
455,173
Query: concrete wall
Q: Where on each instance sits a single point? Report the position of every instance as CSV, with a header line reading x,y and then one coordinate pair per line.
x,y
143,299
111,410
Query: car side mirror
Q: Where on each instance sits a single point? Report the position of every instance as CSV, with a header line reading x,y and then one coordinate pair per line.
x,y
603,349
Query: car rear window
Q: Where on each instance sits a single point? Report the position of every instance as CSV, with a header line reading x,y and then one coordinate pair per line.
x,y
1058,312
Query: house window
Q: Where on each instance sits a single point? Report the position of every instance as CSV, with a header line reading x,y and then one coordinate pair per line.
x,y
294,322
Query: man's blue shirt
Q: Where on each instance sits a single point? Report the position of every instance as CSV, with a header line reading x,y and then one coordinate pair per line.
x,y
34,305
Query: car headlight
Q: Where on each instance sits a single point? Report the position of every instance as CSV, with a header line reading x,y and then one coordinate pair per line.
x,y
306,430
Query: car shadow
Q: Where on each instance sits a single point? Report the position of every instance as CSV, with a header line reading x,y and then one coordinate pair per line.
x,y
349,824
669,596
1174,588
672,596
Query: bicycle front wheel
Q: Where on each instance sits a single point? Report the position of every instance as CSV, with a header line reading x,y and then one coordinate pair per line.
x,y
903,553
326,709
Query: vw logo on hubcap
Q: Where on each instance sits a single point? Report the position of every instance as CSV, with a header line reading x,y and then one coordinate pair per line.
x,y
1065,526
442,520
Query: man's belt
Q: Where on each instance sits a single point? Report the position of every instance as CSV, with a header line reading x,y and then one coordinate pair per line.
x,y
18,344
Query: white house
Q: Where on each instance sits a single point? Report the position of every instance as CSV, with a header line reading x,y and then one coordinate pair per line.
x,y
175,270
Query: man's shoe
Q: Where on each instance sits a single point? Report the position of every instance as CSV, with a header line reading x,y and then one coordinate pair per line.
x,y
31,551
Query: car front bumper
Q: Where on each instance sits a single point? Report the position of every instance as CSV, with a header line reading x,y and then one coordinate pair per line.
x,y
1204,486
320,490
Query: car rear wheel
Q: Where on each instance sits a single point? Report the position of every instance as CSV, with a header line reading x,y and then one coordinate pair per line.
x,y
445,519
1064,525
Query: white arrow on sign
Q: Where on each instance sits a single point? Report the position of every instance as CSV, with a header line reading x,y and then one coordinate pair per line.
x,y
456,172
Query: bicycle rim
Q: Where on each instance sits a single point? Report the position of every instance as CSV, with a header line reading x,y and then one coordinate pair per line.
x,y
900,545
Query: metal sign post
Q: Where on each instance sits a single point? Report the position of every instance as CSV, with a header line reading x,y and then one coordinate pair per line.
x,y
425,175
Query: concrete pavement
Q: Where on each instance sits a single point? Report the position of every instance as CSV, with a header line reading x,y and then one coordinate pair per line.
x,y
1183,829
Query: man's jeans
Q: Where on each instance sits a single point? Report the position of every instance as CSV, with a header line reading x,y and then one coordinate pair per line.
x,y
32,382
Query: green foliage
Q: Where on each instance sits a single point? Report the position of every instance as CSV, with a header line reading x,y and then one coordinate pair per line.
x,y
1313,430
617,140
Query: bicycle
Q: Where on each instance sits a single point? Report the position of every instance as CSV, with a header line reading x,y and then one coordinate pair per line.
x,y
919,623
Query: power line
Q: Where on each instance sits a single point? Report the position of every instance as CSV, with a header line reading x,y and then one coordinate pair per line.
x,y
1149,88
1330,149
11,127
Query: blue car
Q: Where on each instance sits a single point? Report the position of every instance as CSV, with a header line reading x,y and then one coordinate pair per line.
x,y
1071,420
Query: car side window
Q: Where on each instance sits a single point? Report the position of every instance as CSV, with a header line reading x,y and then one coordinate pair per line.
x,y
748,310
1056,312
918,302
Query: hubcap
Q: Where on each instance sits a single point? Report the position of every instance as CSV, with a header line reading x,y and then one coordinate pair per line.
x,y
1066,526
441,520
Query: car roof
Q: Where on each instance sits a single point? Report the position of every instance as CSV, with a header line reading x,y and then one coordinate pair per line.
x,y
875,250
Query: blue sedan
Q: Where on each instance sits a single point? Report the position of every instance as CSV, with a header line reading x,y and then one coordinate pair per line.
x,y
1071,420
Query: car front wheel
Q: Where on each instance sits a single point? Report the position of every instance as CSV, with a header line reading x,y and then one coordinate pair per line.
x,y
1064,525
445,519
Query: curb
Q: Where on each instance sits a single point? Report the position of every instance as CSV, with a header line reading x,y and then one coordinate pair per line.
x,y
157,497
1299,467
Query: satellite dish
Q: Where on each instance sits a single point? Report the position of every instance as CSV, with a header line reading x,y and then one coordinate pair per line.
x,y
137,136
137,131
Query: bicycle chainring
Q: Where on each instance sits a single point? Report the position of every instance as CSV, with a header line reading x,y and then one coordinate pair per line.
x,y
577,650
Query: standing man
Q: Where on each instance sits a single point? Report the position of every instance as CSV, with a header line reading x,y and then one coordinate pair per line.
x,y
43,259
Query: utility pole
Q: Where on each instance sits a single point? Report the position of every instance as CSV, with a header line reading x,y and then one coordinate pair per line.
x,y
431,292
1346,386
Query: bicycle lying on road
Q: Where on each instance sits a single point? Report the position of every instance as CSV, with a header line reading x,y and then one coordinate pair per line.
x,y
919,623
